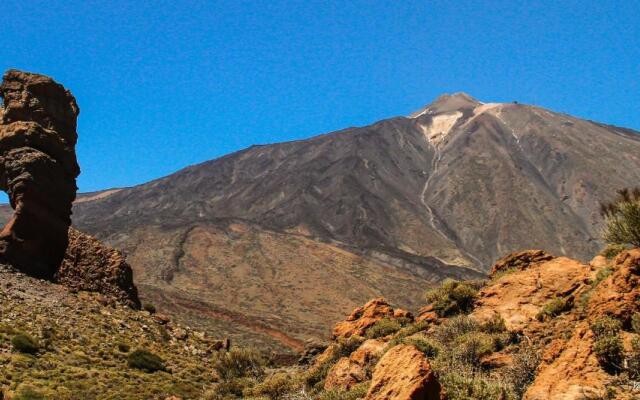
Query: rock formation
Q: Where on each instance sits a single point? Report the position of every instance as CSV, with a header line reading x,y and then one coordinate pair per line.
x,y
91,266
38,168
404,373
364,317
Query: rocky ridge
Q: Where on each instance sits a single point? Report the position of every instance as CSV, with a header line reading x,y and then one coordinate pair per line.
x,y
536,331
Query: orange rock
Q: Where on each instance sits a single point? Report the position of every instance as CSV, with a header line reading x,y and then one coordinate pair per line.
x,y
618,295
404,373
574,375
364,317
518,297
520,260
349,371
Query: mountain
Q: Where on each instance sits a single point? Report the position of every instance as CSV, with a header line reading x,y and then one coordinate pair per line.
x,y
283,239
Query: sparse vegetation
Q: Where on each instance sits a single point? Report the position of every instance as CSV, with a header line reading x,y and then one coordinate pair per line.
x,y
453,297
239,363
24,343
149,307
146,361
383,327
553,308
612,250
622,218
607,344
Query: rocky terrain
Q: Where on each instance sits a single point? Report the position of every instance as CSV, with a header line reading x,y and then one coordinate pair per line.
x,y
541,328
382,210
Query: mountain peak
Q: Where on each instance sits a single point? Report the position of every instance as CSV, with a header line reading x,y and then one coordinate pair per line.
x,y
447,103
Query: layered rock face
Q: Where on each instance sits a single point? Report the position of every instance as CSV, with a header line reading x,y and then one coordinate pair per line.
x,y
38,168
91,266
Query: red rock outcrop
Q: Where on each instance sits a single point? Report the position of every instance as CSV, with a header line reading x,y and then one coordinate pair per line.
x,y
364,317
519,297
520,260
38,168
349,371
92,266
404,373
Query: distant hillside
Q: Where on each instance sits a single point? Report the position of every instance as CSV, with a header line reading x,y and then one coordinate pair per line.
x,y
283,239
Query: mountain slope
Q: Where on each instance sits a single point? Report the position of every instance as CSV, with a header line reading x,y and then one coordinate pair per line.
x,y
265,235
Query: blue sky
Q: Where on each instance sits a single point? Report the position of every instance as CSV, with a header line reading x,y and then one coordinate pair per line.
x,y
165,84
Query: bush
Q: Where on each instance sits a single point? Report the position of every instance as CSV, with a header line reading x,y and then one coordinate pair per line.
x,y
605,326
454,327
553,308
496,324
610,353
146,361
239,363
633,361
452,297
383,327
426,346
149,307
601,275
622,218
357,392
230,389
522,371
346,346
612,250
24,343
28,392
471,347
275,387
635,322
467,386
123,347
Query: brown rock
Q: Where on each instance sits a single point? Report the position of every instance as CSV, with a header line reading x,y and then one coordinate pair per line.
x,y
518,297
404,373
364,317
349,371
38,168
520,260
161,319
90,265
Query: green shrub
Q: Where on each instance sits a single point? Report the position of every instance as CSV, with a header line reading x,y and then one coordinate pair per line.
x,y
610,353
605,326
149,307
496,324
384,327
622,218
522,371
234,388
471,347
452,297
633,359
28,392
454,327
346,346
601,275
612,250
239,363
635,322
466,386
146,361
24,343
357,392
274,387
553,308
428,347
123,347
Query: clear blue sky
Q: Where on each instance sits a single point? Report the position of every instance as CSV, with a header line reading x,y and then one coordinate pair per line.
x,y
165,84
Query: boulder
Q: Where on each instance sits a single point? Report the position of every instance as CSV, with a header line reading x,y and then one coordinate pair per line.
x,y
38,169
364,317
349,371
92,266
404,373
520,260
